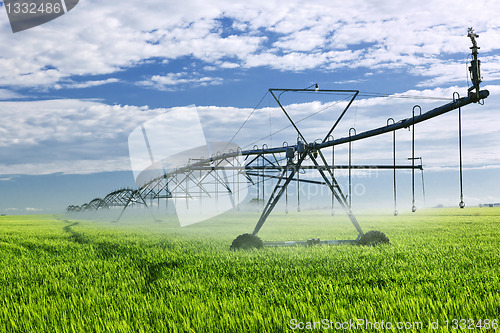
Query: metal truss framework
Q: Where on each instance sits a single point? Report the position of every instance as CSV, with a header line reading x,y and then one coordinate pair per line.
x,y
119,198
221,173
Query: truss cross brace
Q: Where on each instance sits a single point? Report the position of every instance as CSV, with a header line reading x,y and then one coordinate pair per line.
x,y
278,192
279,189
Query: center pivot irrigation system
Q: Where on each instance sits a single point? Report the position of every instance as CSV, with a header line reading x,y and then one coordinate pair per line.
x,y
222,174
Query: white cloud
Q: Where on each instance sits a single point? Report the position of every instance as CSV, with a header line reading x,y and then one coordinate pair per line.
x,y
227,64
176,81
75,167
106,37
40,137
81,136
31,209
6,94
86,84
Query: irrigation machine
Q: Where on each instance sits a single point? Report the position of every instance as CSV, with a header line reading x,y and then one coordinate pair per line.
x,y
223,173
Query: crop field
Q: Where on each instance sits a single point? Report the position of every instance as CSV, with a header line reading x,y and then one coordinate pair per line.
x,y
61,274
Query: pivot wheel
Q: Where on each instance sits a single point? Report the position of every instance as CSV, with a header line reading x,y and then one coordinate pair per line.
x,y
246,242
373,237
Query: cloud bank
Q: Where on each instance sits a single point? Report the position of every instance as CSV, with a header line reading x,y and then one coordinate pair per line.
x,y
102,38
83,136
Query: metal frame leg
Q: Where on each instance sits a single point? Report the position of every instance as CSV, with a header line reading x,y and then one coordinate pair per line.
x,y
277,193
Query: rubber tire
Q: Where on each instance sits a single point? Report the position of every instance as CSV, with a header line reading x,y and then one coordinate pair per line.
x,y
373,238
246,242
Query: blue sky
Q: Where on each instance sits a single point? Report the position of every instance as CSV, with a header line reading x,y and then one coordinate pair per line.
x,y
73,89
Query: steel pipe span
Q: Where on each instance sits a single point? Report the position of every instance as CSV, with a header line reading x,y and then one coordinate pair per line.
x,y
405,123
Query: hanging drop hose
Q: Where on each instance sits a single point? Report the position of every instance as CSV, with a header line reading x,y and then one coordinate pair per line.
x,y
333,179
413,207
350,167
298,190
462,203
263,180
286,191
394,165
423,183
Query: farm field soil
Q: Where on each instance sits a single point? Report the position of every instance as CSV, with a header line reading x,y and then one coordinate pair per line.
x,y
63,274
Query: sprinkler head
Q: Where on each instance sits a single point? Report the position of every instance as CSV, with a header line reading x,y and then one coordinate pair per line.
x,y
395,213
413,209
461,204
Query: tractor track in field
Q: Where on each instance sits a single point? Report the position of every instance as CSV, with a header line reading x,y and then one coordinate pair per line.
x,y
152,271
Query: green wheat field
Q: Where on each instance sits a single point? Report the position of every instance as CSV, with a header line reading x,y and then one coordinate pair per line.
x,y
62,274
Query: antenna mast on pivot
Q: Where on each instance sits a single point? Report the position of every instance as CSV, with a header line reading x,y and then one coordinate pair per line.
x,y
475,64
